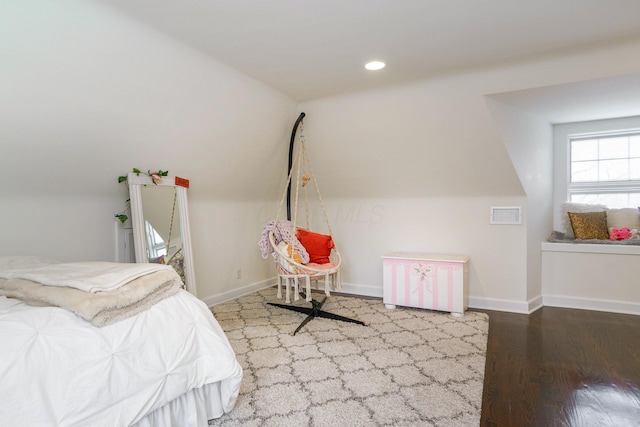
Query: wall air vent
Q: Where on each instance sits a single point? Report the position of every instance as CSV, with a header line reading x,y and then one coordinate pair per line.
x,y
506,215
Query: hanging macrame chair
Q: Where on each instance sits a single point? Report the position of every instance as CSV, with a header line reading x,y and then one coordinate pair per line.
x,y
289,253
291,269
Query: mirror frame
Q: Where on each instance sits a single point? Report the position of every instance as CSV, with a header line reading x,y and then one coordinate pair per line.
x,y
137,220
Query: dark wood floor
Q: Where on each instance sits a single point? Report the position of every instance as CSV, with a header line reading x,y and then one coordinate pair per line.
x,y
562,367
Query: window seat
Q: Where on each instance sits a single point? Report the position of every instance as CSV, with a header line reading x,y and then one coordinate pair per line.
x,y
593,248
600,275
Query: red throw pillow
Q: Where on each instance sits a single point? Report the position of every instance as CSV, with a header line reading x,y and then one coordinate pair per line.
x,y
317,245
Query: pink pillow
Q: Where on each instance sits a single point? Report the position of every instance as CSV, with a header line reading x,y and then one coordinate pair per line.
x,y
317,245
619,233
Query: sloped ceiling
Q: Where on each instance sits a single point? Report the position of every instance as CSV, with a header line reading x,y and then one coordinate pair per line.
x,y
598,99
310,50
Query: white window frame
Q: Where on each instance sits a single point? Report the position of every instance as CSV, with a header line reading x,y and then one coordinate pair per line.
x,y
561,155
577,188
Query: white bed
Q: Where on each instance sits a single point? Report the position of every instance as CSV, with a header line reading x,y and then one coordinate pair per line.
x,y
169,365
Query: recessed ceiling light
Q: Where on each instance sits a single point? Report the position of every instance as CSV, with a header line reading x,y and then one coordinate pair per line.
x,y
374,65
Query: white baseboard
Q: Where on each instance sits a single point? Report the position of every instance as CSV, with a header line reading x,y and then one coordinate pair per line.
x,y
496,304
361,290
562,301
377,292
238,292
535,303
347,288
611,306
511,306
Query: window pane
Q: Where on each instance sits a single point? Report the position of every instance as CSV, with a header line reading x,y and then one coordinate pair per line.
x,y
614,148
611,200
583,198
586,149
614,170
634,200
615,200
591,199
634,146
584,171
634,169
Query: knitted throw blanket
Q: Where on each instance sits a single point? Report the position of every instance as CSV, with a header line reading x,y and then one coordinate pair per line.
x,y
282,232
99,308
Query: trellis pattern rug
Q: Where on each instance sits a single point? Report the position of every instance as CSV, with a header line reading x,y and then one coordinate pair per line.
x,y
407,367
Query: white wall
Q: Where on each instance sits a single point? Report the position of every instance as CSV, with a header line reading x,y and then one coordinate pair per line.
x,y
88,94
439,158
227,234
433,152
528,140
367,229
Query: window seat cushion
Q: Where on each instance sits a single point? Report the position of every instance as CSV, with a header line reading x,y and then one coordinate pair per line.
x,y
560,237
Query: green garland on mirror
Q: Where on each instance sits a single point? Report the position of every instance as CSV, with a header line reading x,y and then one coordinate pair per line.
x,y
156,178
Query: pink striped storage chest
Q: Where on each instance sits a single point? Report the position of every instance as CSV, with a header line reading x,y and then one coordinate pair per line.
x,y
431,281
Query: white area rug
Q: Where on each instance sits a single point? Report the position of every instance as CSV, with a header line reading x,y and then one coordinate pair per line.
x,y
407,367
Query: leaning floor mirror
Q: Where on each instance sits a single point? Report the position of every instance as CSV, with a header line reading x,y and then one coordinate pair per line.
x,y
160,219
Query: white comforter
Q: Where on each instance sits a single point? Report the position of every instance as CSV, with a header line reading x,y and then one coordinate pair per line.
x,y
58,370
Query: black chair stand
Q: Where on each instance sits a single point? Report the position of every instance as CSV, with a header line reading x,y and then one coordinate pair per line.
x,y
314,311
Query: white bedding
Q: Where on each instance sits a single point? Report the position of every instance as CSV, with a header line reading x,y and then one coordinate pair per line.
x,y
56,369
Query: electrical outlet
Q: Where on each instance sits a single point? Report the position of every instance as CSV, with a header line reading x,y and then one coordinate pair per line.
x,y
239,274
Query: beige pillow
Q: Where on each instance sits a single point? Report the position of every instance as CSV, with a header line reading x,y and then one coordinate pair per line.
x,y
625,217
576,207
589,225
